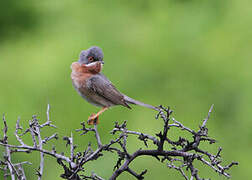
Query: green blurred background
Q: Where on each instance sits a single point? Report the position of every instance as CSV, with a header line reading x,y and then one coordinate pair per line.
x,y
186,54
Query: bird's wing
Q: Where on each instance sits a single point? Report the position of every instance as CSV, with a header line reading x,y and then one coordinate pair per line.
x,y
100,85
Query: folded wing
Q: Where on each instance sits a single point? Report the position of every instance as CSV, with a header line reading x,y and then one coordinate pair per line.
x,y
100,85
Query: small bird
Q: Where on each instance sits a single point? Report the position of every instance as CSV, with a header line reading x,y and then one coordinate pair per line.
x,y
94,87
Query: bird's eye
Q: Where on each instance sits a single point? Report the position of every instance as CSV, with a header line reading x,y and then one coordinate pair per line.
x,y
91,59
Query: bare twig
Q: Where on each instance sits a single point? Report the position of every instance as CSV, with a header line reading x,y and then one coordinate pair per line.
x,y
40,146
180,154
208,116
7,150
97,136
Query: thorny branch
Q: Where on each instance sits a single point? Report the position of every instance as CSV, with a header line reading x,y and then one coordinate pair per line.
x,y
180,155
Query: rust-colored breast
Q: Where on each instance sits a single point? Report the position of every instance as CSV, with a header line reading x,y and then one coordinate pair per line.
x,y
82,68
81,72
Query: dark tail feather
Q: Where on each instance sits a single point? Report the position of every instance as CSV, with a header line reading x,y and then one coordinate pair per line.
x,y
133,101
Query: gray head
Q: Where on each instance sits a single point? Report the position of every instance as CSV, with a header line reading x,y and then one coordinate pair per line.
x,y
93,54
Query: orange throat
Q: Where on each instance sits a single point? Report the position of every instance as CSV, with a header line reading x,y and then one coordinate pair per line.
x,y
94,68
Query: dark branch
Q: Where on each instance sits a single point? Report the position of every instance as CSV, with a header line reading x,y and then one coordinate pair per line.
x,y
180,154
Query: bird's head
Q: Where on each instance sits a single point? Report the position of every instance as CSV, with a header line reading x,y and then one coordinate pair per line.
x,y
91,56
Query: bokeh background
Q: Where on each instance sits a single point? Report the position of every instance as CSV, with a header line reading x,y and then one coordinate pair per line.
x,y
187,54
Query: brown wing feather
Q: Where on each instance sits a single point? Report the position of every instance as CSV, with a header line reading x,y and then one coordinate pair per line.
x,y
103,87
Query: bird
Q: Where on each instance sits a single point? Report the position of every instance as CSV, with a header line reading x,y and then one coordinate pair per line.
x,y
95,87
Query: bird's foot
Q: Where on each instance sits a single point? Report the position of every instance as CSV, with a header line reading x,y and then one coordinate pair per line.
x,y
93,119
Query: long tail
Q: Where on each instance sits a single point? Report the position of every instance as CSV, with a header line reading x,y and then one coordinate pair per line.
x,y
133,101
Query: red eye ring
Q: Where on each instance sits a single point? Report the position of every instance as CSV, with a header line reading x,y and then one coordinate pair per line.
x,y
91,59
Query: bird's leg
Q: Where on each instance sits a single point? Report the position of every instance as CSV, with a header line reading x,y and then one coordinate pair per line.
x,y
93,119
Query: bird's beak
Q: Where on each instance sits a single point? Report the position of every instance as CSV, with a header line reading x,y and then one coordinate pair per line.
x,y
102,62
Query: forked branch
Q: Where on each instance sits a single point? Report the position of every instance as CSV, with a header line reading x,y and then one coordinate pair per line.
x,y
180,155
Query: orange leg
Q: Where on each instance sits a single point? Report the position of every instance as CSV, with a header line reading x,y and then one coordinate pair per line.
x,y
93,119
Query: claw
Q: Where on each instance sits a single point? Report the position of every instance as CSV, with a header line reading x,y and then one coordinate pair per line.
x,y
93,119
